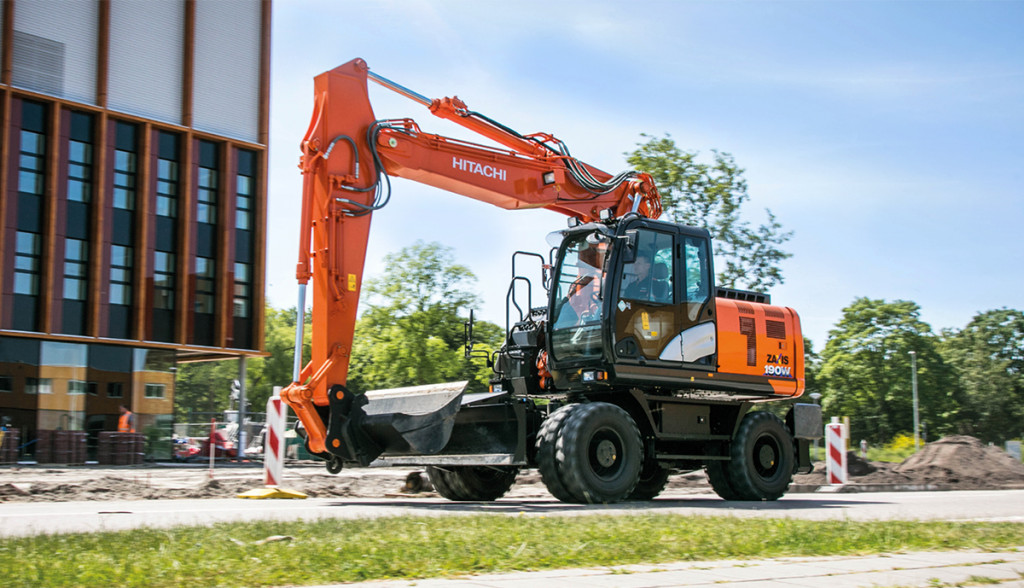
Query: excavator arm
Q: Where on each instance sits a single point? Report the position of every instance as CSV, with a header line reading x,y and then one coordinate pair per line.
x,y
348,156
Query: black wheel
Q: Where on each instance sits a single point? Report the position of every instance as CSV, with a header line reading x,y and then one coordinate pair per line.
x,y
652,481
547,438
718,476
334,465
762,458
475,483
598,453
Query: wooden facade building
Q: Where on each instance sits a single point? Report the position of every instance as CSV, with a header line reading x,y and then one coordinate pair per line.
x,y
133,178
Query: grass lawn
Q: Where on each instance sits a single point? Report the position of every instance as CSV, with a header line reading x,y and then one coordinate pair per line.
x,y
332,551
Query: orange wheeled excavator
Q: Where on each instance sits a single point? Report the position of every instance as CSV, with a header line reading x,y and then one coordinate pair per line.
x,y
635,366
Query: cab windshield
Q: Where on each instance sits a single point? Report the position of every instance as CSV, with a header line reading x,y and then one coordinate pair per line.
x,y
580,288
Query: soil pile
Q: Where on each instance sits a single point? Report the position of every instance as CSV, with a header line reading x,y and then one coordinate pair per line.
x,y
963,461
957,463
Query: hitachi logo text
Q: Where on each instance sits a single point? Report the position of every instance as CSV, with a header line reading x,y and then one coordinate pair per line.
x,y
475,168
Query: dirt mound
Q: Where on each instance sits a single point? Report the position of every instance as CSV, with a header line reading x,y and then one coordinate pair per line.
x,y
860,470
959,462
963,461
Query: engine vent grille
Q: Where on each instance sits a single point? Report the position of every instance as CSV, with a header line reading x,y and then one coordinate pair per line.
x,y
775,329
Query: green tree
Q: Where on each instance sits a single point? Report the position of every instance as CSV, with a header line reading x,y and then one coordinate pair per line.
x,y
712,196
264,373
203,387
866,372
412,330
206,386
988,355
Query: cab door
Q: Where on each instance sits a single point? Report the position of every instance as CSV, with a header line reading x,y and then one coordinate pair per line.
x,y
697,341
646,306
664,308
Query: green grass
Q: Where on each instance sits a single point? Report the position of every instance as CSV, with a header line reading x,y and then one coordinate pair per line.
x,y
335,551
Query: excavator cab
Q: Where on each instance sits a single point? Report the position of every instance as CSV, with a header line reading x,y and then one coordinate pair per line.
x,y
632,301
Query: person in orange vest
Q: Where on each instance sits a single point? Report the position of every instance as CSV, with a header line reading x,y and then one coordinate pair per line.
x,y
126,422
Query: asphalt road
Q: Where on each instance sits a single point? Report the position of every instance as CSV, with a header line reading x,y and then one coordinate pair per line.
x,y
21,519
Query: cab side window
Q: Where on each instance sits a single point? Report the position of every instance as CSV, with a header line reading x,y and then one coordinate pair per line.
x,y
648,278
698,278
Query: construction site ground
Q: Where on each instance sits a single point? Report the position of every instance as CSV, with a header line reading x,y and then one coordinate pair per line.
x,y
952,463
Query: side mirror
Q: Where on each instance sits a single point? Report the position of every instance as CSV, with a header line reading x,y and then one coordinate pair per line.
x,y
629,240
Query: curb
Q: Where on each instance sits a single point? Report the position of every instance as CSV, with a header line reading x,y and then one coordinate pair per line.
x,y
855,488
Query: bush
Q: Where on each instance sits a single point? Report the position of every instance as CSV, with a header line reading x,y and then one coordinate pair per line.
x,y
898,449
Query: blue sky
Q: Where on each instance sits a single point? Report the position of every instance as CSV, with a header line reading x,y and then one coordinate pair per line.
x,y
888,136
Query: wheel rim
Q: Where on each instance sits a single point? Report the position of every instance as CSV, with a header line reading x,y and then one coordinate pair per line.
x,y
766,457
605,449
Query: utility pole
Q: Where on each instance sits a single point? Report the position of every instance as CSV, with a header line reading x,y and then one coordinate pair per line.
x,y
913,369
240,454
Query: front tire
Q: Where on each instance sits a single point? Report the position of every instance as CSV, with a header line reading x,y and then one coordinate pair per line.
x,y
599,453
762,458
547,439
472,483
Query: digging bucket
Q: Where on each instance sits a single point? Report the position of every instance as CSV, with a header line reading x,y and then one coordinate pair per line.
x,y
416,420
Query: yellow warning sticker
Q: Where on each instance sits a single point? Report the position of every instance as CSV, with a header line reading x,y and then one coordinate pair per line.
x,y
646,319
352,282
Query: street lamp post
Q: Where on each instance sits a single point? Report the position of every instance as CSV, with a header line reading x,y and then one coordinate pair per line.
x,y
913,370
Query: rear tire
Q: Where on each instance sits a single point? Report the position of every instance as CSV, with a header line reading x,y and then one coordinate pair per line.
x,y
718,476
472,483
547,438
652,481
762,458
599,453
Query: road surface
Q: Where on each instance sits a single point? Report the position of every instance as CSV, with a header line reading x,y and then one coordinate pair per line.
x,y
22,519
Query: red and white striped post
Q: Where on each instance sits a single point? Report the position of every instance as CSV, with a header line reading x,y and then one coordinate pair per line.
x,y
835,449
273,454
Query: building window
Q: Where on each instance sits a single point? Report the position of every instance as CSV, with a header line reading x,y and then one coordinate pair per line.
x,y
125,166
121,274
207,184
155,390
243,204
163,280
167,188
115,390
76,259
242,293
80,158
26,263
77,387
245,190
205,285
167,176
30,162
38,386
6,384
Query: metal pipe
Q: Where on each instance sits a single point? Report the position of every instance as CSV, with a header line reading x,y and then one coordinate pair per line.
x,y
913,368
300,323
240,452
395,87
